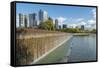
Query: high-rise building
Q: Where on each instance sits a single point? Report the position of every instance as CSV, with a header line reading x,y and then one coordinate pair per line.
x,y
49,18
32,20
26,21
82,27
64,26
43,16
21,20
59,26
56,24
40,15
76,27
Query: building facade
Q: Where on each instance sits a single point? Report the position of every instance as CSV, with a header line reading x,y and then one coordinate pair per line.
x,y
32,20
21,20
82,27
60,27
56,24
64,26
43,16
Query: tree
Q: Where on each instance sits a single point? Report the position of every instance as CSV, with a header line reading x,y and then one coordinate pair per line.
x,y
93,31
47,25
71,30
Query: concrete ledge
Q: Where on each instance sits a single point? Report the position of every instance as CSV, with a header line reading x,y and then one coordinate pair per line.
x,y
50,51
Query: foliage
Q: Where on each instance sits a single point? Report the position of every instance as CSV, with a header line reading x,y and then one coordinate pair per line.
x,y
93,31
71,30
47,25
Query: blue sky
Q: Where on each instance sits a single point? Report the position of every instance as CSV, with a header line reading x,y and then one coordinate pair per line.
x,y
70,15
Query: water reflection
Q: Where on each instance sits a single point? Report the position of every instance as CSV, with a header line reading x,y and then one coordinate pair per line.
x,y
83,48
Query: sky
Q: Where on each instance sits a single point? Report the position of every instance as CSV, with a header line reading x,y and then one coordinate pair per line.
x,y
71,15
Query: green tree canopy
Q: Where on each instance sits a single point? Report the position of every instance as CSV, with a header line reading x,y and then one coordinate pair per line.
x,y
47,25
71,30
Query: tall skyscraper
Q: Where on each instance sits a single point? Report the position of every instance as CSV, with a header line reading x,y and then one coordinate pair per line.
x,y
40,15
25,21
64,26
49,18
43,16
56,24
82,27
59,26
21,20
32,20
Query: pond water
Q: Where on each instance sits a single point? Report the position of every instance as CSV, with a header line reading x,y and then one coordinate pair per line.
x,y
83,48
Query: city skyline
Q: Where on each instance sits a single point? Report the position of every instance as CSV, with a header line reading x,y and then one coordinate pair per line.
x,y
70,15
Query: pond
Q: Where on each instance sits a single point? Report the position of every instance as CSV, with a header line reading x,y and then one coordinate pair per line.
x,y
83,48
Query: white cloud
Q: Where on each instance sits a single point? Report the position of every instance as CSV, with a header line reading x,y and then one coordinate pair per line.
x,y
61,19
82,23
88,26
94,13
77,24
72,25
91,22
